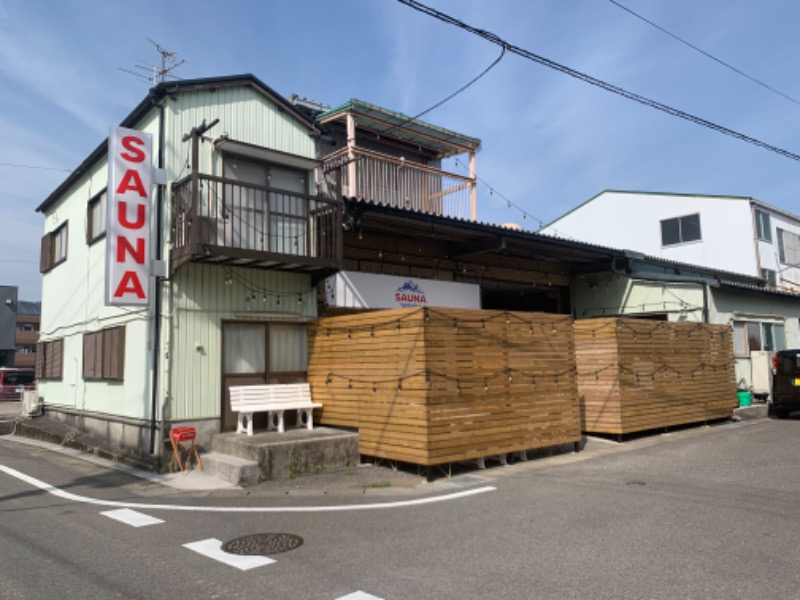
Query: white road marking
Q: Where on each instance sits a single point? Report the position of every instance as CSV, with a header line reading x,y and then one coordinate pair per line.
x,y
240,509
132,517
359,595
212,548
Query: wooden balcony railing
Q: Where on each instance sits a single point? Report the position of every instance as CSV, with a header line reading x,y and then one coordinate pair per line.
x,y
378,177
226,221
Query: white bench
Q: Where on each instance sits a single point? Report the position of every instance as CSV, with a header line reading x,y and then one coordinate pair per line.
x,y
272,399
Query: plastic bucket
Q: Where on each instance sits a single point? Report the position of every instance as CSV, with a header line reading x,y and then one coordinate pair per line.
x,y
745,398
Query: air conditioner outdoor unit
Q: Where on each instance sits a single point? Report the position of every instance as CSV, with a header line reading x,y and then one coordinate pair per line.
x,y
30,404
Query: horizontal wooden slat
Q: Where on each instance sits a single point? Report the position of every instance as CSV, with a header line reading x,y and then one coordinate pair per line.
x,y
432,386
635,375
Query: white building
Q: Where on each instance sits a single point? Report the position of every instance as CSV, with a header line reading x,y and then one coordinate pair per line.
x,y
730,233
720,236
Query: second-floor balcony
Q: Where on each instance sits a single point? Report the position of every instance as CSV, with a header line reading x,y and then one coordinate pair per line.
x,y
389,158
222,221
385,179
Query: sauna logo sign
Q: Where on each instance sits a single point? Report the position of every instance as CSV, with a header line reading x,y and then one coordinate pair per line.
x,y
410,294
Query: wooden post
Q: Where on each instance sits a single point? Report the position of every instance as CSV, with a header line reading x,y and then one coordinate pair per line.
x,y
193,214
473,194
352,188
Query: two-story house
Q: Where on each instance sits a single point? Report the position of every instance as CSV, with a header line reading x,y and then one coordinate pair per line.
x,y
240,238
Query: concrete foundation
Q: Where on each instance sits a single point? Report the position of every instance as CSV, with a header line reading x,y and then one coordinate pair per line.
x,y
282,456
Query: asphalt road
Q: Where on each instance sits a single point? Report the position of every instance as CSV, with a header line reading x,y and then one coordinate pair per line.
x,y
702,513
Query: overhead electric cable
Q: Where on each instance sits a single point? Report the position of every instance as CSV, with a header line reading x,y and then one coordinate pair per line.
x,y
527,54
17,166
706,54
451,96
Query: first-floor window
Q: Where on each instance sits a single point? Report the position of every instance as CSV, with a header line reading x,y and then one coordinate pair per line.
x,y
104,354
50,359
751,336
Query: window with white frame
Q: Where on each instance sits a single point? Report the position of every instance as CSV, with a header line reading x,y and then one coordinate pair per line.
x,y
751,336
770,275
788,247
680,230
96,217
763,229
54,249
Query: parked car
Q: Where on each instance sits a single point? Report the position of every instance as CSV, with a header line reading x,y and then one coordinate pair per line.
x,y
15,381
785,383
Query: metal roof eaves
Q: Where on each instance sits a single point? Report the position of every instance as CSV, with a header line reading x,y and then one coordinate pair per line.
x,y
646,193
760,290
448,136
155,95
490,226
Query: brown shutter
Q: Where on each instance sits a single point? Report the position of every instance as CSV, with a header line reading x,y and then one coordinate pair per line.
x,y
121,353
55,359
89,225
114,353
46,256
92,356
40,360
97,367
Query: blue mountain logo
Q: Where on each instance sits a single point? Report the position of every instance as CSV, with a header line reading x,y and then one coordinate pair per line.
x,y
410,294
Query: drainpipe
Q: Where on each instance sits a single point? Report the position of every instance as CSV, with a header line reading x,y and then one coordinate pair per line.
x,y
157,298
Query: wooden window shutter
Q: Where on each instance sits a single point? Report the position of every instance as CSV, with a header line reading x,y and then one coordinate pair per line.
x,y
92,356
46,256
55,365
40,360
114,353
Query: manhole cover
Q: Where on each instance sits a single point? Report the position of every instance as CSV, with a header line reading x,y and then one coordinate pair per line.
x,y
263,544
635,483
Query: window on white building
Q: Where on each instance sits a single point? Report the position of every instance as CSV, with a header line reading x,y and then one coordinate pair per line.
x,y
751,336
770,275
763,229
788,247
96,217
54,249
680,230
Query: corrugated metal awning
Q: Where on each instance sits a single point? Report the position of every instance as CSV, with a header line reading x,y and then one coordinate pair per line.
x,y
396,125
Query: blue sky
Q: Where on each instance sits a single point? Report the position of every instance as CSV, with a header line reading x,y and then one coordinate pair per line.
x,y
550,142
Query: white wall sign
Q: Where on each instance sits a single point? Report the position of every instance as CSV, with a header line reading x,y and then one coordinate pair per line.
x,y
351,289
130,173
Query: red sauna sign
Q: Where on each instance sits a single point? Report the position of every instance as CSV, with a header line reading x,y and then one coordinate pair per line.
x,y
130,172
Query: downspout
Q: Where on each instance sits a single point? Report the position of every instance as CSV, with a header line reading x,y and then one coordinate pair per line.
x,y
705,302
157,298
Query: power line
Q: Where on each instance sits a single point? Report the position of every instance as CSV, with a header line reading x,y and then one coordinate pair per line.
x,y
18,166
451,96
527,54
706,54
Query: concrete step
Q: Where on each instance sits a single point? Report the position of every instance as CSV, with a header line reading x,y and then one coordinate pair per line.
x,y
239,471
282,456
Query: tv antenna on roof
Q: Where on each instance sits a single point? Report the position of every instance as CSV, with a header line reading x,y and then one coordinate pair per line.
x,y
169,62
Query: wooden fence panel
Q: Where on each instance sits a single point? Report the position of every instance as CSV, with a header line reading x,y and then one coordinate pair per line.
x,y
432,386
635,374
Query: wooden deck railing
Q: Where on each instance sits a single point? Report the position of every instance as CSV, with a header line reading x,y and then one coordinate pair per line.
x,y
214,215
378,177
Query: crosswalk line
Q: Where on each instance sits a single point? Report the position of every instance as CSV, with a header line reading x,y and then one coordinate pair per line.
x,y
359,595
212,548
131,517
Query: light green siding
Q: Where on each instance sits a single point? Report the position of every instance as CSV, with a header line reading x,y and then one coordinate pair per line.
x,y
201,301
609,294
244,115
